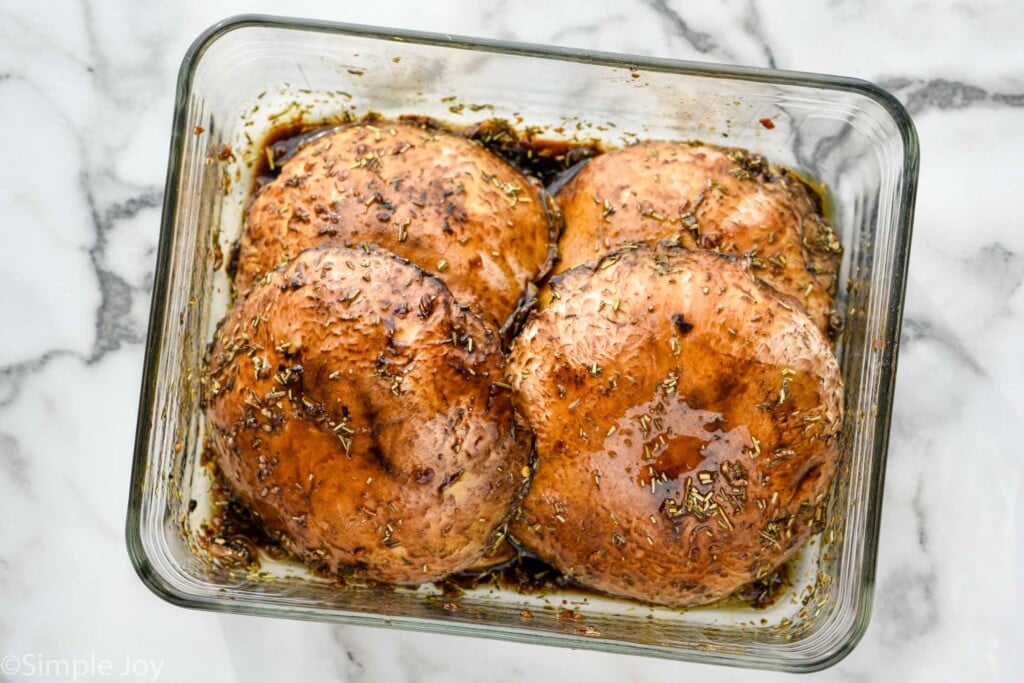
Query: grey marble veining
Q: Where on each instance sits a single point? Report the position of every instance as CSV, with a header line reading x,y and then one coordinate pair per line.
x,y
86,91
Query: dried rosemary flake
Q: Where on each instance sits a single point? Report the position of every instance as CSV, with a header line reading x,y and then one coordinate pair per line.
x,y
606,208
784,391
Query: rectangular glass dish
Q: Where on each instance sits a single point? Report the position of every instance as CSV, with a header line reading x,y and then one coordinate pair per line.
x,y
248,74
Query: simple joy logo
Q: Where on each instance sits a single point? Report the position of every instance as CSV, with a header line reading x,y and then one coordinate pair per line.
x,y
38,665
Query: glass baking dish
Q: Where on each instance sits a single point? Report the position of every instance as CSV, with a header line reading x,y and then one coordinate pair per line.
x,y
248,74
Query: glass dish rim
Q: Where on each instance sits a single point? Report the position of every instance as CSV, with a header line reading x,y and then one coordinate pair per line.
x,y
889,352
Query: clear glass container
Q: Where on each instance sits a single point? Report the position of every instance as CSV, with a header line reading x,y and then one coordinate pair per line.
x,y
247,74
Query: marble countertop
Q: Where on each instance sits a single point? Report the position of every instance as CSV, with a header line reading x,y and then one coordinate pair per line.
x,y
86,94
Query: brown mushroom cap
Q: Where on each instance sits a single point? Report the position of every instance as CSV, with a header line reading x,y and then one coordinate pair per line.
x,y
360,412
706,197
687,419
442,201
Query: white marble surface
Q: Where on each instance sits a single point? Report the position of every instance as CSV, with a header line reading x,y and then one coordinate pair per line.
x,y
85,109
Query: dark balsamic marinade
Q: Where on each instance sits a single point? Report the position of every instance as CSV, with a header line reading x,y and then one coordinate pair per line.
x,y
535,156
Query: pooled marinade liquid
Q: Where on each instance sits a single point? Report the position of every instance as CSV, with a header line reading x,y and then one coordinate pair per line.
x,y
542,158
235,535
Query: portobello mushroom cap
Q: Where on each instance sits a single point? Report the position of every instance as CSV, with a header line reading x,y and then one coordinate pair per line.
x,y
361,413
705,197
687,421
440,200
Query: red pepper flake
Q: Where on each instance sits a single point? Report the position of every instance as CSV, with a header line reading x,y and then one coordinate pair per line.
x,y
768,123
224,153
198,130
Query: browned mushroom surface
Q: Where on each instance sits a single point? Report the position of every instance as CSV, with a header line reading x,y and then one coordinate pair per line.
x,y
706,197
686,419
358,410
444,202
